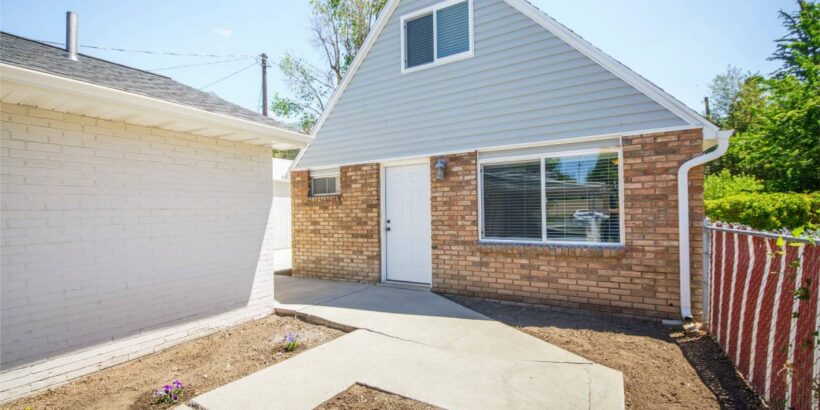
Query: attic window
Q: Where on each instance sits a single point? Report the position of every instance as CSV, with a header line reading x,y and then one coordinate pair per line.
x,y
437,35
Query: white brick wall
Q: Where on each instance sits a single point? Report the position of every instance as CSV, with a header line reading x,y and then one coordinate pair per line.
x,y
118,240
281,212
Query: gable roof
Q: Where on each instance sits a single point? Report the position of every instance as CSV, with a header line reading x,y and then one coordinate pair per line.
x,y
33,55
653,92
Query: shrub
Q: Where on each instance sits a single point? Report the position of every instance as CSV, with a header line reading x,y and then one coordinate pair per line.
x,y
767,211
725,184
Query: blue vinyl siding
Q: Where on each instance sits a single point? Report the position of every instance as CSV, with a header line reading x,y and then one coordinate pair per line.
x,y
453,30
419,39
523,85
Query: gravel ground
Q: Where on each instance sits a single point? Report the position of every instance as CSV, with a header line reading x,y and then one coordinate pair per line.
x,y
662,367
362,397
202,364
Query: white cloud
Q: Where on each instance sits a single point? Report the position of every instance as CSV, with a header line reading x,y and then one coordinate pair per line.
x,y
224,32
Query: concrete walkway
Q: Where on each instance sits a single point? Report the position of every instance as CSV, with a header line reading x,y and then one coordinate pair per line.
x,y
416,344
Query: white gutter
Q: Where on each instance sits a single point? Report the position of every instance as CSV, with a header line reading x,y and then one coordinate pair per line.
x,y
683,218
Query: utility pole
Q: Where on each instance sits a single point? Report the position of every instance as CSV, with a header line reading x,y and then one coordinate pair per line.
x,y
708,111
264,58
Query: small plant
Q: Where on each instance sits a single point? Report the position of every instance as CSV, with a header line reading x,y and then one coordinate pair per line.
x,y
291,342
170,393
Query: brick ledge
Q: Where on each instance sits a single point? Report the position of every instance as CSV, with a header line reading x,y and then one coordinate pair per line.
x,y
323,198
605,251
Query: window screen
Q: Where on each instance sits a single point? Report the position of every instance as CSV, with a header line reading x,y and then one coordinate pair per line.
x,y
419,41
582,200
453,30
324,185
512,201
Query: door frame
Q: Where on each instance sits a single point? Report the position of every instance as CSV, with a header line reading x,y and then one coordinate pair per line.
x,y
382,224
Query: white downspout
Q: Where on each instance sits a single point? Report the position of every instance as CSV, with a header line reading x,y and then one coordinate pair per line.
x,y
683,218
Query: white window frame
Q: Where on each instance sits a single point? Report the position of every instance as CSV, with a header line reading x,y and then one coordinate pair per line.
x,y
436,61
326,173
542,158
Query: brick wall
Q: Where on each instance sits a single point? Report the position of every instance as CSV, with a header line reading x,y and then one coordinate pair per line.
x,y
337,237
640,279
115,232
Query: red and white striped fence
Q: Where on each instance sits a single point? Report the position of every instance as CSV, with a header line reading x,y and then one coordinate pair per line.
x,y
758,310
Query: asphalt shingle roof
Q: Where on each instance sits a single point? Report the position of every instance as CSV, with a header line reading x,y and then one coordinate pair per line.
x,y
34,55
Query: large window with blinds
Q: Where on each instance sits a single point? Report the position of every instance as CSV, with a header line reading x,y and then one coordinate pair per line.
x,y
556,198
437,34
512,201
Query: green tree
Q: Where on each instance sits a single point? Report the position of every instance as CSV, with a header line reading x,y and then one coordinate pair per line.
x,y
723,93
748,104
747,108
797,50
285,154
777,119
339,28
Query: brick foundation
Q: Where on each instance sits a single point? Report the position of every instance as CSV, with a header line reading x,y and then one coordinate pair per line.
x,y
339,238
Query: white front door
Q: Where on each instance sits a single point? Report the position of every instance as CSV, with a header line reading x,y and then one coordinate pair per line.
x,y
407,236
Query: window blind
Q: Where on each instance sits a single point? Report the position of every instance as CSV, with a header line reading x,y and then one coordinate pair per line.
x,y
419,41
512,201
582,198
453,30
324,185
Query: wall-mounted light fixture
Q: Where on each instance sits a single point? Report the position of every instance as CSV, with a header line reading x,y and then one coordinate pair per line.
x,y
440,165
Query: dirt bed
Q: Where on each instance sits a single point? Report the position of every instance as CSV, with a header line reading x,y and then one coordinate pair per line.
x,y
662,368
361,397
202,364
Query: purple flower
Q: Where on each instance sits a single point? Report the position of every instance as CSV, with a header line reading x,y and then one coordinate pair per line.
x,y
169,393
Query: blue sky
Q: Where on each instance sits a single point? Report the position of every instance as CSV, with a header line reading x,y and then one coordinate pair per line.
x,y
678,45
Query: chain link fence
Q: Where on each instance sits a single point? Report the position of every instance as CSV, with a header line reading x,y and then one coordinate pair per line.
x,y
761,306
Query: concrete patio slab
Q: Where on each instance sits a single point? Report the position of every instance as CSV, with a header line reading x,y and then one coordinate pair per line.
x,y
422,346
424,317
299,293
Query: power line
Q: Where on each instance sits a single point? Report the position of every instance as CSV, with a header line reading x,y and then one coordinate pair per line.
x,y
166,53
198,65
230,58
229,75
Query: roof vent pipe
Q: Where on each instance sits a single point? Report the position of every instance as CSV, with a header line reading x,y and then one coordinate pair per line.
x,y
71,35
683,218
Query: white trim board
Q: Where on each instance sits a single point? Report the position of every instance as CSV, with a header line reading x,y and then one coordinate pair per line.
x,y
643,85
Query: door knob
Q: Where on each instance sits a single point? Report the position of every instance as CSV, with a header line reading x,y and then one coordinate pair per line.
x,y
387,229
388,221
